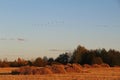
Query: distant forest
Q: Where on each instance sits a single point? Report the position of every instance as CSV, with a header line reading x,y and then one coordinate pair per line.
x,y
81,55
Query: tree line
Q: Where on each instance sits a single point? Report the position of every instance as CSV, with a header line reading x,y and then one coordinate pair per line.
x,y
81,55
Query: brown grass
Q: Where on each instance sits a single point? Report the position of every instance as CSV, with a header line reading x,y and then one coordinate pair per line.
x,y
55,69
7,70
86,66
77,67
63,72
96,66
69,68
102,73
58,69
105,65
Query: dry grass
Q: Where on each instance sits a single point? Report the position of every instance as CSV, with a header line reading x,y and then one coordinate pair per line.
x,y
86,66
101,73
58,69
7,70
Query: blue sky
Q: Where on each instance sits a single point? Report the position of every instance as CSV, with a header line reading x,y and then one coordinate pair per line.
x,y
32,28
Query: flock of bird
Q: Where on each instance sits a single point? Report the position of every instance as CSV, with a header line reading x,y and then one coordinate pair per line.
x,y
48,23
34,25
12,39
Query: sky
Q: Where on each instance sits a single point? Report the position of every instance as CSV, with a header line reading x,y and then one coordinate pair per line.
x,y
37,28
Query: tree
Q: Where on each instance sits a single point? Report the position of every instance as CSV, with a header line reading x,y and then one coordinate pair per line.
x,y
114,57
97,60
77,54
87,58
4,63
63,58
30,63
45,58
21,62
50,61
39,62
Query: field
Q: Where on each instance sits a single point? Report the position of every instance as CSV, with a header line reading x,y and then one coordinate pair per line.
x,y
87,74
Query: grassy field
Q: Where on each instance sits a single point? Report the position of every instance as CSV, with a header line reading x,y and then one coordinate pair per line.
x,y
6,70
87,74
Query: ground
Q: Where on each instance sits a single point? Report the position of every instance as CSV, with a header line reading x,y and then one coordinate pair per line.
x,y
111,73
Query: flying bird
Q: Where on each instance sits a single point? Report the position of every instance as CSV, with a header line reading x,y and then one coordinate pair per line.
x,y
21,39
3,39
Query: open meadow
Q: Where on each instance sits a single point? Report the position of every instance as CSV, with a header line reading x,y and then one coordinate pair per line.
x,y
112,73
